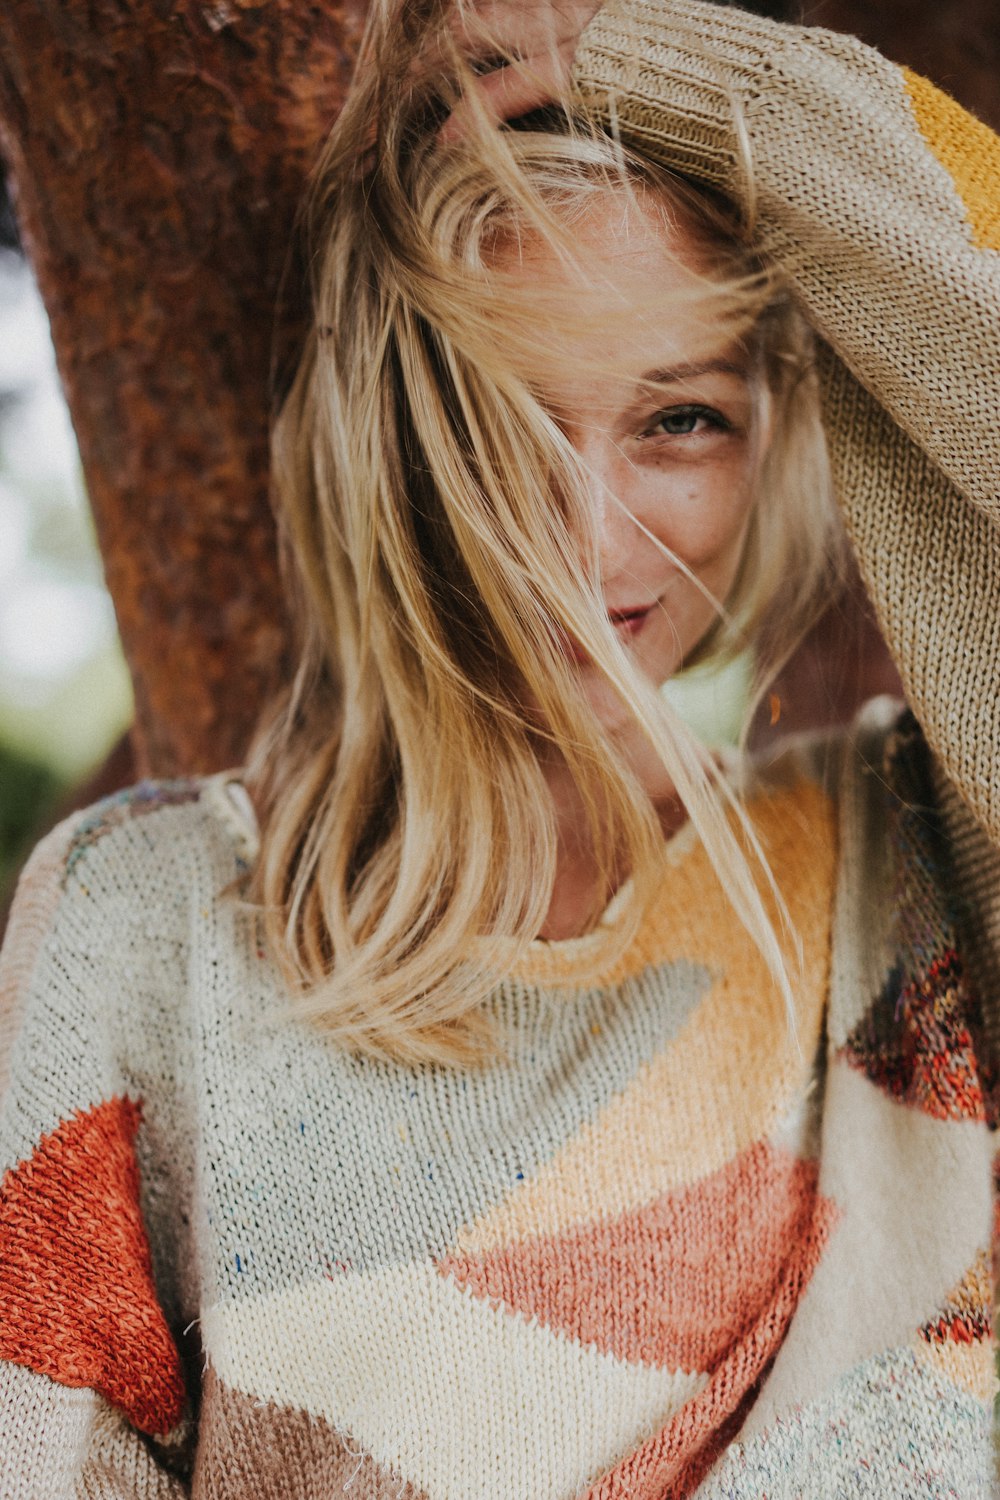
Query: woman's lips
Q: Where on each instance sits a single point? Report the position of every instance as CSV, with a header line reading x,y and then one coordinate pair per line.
x,y
626,621
630,621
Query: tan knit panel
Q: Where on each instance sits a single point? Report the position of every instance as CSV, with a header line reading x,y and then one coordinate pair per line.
x,y
120,1465
251,1449
931,563
632,46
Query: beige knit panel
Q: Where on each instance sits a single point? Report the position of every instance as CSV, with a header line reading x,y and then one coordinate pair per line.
x,y
931,563
45,1432
673,77
39,893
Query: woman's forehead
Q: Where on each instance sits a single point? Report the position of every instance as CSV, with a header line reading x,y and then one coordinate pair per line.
x,y
628,299
621,232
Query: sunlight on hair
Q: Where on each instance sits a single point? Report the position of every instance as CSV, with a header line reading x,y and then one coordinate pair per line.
x,y
438,549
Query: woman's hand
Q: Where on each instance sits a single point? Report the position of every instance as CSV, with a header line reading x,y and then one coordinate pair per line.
x,y
525,48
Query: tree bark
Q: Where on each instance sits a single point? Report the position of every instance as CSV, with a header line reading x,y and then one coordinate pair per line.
x,y
158,151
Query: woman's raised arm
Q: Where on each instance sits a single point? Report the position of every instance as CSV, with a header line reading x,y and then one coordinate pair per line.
x,y
876,191
877,195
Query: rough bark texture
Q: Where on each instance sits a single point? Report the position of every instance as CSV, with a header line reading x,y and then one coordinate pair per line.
x,y
158,150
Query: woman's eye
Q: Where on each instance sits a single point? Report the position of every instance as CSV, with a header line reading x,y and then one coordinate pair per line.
x,y
680,421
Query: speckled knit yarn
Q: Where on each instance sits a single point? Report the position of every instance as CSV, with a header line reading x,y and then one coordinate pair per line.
x,y
603,1264
662,1247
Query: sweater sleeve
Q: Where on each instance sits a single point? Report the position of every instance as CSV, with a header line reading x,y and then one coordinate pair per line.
x,y
92,1399
876,193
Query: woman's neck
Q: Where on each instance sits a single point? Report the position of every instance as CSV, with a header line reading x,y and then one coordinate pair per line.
x,y
579,893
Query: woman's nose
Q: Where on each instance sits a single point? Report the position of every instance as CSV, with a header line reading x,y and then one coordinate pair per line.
x,y
617,531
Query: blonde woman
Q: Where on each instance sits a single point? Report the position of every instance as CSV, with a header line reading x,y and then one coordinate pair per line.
x,y
490,1091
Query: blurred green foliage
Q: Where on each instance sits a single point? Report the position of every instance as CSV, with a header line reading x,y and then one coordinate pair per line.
x,y
30,791
65,693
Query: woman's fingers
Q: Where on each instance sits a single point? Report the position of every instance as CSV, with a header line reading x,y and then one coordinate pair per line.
x,y
536,41
510,91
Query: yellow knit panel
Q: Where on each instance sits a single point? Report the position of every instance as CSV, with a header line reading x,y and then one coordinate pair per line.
x,y
691,918
967,149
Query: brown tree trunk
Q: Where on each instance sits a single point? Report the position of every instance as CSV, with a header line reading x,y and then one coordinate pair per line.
x,y
158,151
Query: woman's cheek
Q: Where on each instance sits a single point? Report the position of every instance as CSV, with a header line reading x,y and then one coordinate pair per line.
x,y
703,504
705,527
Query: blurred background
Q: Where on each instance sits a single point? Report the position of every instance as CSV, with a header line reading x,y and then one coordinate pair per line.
x,y
65,693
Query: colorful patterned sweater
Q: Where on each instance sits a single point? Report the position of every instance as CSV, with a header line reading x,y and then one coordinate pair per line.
x,y
662,1246
658,1232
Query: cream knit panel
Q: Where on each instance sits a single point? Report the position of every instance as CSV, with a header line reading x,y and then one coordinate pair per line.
x,y
44,1435
39,892
62,1443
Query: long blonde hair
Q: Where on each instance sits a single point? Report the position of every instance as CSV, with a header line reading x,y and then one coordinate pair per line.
x,y
434,523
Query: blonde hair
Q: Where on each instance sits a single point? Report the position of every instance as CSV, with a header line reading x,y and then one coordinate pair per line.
x,y
434,524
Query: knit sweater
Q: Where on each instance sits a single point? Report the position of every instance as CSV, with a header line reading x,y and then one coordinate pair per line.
x,y
661,1231
666,1243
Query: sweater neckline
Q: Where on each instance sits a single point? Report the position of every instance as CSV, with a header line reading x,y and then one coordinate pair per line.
x,y
676,848
232,802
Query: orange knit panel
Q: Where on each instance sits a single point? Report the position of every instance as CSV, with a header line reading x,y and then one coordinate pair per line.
x,y
967,149
77,1300
653,1285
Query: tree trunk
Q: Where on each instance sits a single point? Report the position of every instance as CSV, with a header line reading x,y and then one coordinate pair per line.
x,y
158,151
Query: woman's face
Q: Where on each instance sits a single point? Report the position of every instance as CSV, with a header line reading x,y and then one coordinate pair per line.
x,y
659,407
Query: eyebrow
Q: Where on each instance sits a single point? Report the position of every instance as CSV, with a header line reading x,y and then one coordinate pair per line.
x,y
691,372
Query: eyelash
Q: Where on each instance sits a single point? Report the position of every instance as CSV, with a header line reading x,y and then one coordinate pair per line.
x,y
714,418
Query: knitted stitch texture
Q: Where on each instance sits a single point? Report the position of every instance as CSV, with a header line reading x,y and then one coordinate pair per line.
x,y
662,1246
613,1259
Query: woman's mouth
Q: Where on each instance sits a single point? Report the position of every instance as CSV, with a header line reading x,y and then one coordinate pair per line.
x,y
627,622
630,621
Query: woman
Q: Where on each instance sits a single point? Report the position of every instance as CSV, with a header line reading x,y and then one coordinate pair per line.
x,y
491,1092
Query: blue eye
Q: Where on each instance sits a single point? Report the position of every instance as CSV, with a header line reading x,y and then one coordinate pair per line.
x,y
681,421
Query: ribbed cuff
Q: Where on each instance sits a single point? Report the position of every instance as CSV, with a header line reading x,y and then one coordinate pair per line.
x,y
677,76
